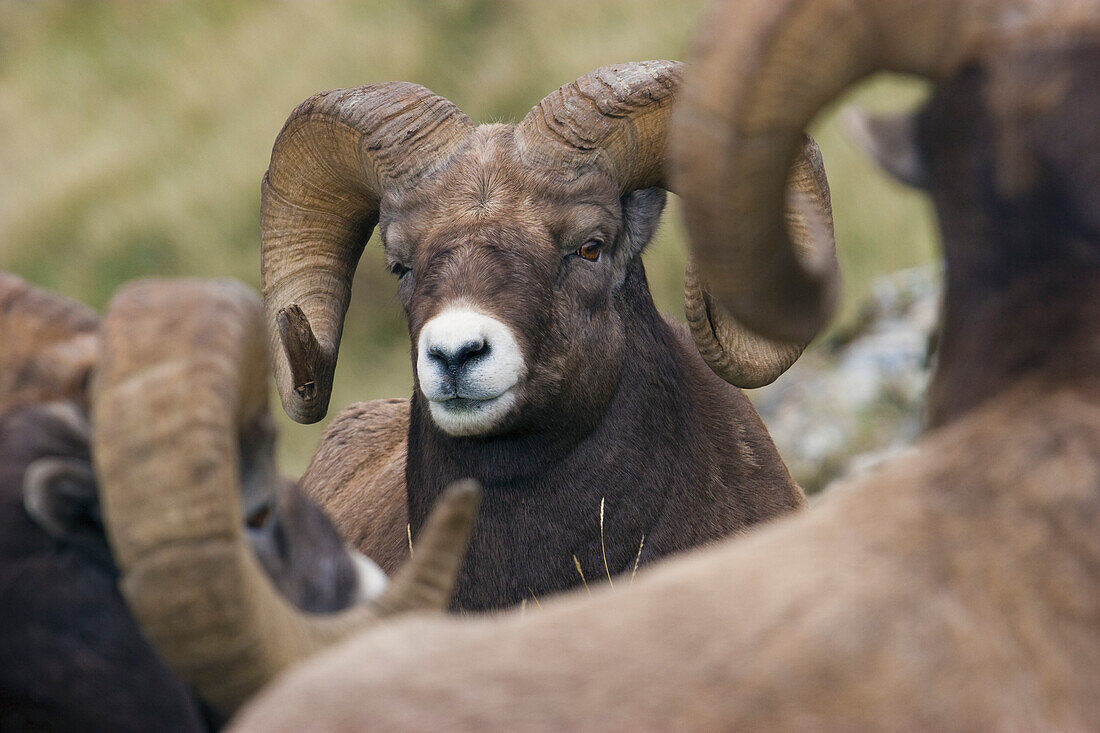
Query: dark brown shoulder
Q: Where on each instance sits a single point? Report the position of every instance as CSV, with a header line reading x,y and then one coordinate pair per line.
x,y
735,430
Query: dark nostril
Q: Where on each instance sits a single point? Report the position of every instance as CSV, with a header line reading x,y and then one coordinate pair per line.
x,y
453,360
471,349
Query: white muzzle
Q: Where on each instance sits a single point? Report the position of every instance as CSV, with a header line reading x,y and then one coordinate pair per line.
x,y
468,365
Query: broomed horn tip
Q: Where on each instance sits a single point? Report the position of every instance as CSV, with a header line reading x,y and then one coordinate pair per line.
x,y
303,352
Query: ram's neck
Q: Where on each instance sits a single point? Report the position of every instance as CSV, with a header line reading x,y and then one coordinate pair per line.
x,y
678,457
543,489
1042,326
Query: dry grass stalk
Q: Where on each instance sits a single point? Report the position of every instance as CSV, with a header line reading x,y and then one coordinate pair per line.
x,y
603,549
637,559
577,564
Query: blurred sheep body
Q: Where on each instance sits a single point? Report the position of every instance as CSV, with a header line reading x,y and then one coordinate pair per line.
x,y
74,657
951,588
542,367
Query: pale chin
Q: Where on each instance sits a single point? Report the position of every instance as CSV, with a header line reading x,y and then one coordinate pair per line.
x,y
467,418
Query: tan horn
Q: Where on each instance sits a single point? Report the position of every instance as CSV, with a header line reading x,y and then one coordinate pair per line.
x,y
337,154
762,70
182,374
734,352
612,119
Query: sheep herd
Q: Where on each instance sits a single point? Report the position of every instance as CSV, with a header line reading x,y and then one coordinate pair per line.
x,y
158,573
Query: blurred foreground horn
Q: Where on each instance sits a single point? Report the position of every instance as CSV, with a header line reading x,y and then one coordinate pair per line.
x,y
182,375
761,71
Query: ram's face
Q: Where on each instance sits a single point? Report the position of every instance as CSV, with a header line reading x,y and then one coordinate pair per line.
x,y
517,246
509,280
305,557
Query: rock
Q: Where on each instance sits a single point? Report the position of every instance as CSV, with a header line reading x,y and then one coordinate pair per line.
x,y
857,398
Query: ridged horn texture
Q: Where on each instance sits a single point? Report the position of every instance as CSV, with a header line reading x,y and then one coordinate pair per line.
x,y
762,69
616,119
182,374
613,119
48,343
733,352
336,156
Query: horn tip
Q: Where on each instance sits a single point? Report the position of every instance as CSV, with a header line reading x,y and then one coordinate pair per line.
x,y
457,506
307,399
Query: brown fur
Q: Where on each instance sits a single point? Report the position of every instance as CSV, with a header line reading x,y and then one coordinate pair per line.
x,y
366,495
49,345
615,403
955,588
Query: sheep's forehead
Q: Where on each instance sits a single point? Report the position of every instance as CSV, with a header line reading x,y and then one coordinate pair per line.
x,y
487,182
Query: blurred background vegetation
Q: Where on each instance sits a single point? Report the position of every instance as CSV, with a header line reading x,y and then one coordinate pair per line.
x,y
133,136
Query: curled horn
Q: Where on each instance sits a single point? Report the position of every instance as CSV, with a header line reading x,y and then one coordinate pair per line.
x,y
616,119
762,70
337,154
182,377
612,119
733,352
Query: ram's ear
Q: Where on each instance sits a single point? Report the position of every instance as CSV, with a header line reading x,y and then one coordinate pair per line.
x,y
889,140
60,496
641,215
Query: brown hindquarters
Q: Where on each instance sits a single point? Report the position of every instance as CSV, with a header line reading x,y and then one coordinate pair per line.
x,y
357,476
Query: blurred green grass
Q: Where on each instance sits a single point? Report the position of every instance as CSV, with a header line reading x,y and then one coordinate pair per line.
x,y
133,136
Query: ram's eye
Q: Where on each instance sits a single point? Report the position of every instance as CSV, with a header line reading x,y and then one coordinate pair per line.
x,y
399,269
590,250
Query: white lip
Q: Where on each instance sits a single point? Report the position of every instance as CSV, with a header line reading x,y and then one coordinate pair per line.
x,y
460,416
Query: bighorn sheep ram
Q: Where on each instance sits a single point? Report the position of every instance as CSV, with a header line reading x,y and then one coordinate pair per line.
x,y
954,588
542,368
51,347
74,656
